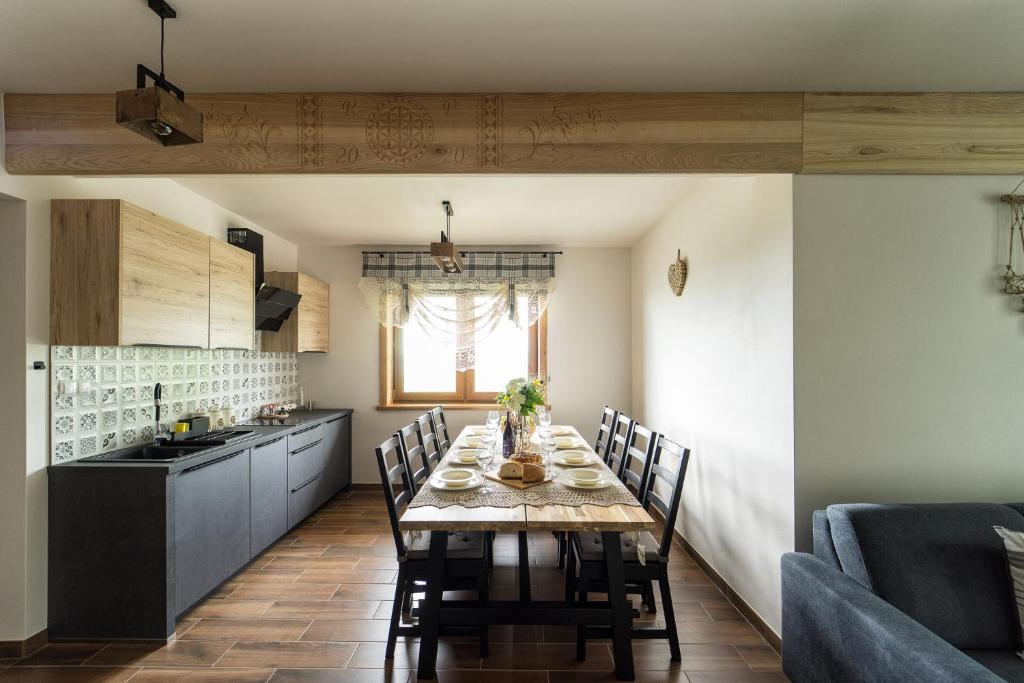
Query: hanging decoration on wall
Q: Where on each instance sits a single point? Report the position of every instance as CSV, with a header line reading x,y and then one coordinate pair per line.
x,y
677,273
1014,281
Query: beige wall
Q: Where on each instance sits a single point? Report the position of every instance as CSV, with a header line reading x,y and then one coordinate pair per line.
x,y
24,455
712,369
908,373
588,347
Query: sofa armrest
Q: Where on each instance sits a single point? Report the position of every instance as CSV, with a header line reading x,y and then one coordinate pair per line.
x,y
834,629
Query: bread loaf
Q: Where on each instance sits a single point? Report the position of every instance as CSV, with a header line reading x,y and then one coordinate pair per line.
x,y
510,470
532,473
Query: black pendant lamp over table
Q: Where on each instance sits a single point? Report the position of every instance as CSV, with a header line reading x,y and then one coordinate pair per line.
x,y
159,112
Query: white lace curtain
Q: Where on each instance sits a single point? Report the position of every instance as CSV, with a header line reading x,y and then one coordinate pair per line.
x,y
457,309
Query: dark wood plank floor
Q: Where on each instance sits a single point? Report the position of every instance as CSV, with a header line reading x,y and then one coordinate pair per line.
x,y
314,607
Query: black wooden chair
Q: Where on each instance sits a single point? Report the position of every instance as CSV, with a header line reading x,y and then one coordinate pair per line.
x,y
467,559
439,426
586,547
639,448
414,453
622,432
604,432
430,441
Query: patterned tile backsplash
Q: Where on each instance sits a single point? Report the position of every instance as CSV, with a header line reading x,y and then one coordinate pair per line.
x,y
117,408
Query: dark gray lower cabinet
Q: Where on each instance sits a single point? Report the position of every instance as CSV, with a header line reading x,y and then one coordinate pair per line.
x,y
211,526
338,449
131,548
268,483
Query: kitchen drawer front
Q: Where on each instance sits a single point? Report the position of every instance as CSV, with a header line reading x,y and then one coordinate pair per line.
x,y
303,499
305,436
305,462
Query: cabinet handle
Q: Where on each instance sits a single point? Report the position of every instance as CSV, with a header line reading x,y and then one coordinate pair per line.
x,y
335,419
212,462
304,485
303,431
267,443
306,447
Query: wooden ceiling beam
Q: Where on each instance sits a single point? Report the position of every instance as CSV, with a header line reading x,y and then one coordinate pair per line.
x,y
538,133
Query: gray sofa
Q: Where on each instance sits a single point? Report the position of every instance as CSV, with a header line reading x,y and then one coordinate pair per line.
x,y
902,593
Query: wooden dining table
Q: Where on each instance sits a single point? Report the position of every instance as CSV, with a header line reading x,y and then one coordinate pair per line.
x,y
615,614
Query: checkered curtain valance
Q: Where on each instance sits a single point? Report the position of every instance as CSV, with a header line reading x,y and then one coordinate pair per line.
x,y
458,309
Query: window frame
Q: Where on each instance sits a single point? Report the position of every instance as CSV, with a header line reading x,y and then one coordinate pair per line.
x,y
393,396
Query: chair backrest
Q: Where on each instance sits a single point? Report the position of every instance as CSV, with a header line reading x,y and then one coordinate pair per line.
x,y
661,476
622,431
636,463
429,438
390,475
440,428
410,443
604,432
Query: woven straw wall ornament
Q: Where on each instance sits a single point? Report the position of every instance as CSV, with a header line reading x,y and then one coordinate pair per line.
x,y
677,273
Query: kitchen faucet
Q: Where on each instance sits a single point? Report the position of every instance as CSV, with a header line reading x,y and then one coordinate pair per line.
x,y
157,390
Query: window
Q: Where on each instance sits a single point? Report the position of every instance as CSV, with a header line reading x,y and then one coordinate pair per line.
x,y
419,371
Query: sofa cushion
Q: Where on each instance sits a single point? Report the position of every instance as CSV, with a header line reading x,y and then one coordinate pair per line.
x,y
942,564
824,548
1003,663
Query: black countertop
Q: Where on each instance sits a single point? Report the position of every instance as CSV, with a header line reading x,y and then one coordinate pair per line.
x,y
260,434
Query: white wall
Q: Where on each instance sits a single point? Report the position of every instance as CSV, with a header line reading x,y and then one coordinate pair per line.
x,y
908,355
712,369
23,538
588,347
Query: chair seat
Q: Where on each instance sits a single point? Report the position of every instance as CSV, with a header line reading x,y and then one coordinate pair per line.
x,y
462,545
590,548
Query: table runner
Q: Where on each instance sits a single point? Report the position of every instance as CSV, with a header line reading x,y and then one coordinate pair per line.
x,y
495,494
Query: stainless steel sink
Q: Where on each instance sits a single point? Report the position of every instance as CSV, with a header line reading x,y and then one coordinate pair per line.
x,y
151,453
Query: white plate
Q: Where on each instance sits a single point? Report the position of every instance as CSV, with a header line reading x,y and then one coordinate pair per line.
x,y
441,485
602,483
559,458
473,442
569,442
562,430
476,431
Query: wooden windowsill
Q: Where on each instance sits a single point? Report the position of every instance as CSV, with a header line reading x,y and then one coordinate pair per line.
x,y
446,406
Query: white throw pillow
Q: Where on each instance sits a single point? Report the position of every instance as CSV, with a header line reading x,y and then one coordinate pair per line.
x,y
1013,541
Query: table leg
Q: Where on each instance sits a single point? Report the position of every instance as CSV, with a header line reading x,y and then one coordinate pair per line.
x,y
622,615
430,607
524,568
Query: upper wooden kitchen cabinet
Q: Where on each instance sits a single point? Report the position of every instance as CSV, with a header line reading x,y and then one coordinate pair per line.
x,y
121,275
232,300
306,329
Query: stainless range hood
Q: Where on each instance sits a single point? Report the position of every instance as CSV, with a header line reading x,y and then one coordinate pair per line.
x,y
273,304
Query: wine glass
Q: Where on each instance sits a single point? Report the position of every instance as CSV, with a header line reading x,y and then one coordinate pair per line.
x,y
549,447
544,421
492,420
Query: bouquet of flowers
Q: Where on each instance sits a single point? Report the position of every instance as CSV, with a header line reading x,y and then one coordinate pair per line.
x,y
522,396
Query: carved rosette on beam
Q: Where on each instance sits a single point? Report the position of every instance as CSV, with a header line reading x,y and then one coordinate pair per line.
x,y
369,133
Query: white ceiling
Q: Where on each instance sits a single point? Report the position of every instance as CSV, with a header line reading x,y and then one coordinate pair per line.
x,y
383,210
517,45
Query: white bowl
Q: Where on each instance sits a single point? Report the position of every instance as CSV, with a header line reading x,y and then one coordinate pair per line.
x,y
575,457
584,477
467,456
455,477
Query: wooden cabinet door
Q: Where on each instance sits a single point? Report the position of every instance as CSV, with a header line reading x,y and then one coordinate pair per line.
x,y
313,314
232,297
165,281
